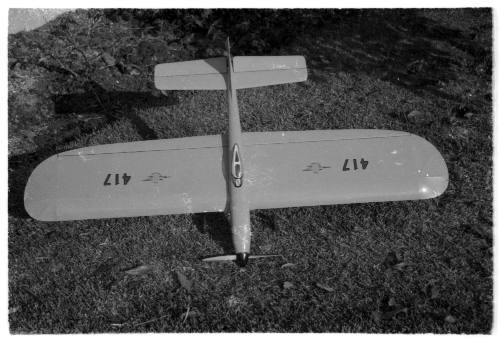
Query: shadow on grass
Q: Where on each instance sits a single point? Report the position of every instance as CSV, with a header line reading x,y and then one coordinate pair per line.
x,y
112,105
401,46
217,226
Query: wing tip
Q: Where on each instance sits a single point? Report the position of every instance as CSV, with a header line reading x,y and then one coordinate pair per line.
x,y
40,210
433,187
39,192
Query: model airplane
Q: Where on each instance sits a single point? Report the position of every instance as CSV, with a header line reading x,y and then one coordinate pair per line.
x,y
238,172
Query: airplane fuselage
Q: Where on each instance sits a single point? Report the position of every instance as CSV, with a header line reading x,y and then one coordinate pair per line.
x,y
239,209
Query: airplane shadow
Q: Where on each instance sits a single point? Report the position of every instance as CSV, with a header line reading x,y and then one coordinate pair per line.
x,y
112,105
217,226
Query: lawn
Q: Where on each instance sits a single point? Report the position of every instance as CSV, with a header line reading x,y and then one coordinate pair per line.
x,y
421,266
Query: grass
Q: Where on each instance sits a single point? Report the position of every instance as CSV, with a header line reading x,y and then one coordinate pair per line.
x,y
423,266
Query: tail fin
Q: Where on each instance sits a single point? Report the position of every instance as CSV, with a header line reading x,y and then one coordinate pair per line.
x,y
248,72
228,48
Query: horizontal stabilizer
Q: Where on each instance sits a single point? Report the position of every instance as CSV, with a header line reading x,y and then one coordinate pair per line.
x,y
227,257
232,257
249,72
200,74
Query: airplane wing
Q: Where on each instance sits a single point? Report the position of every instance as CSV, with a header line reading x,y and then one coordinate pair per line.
x,y
156,177
249,71
291,169
188,175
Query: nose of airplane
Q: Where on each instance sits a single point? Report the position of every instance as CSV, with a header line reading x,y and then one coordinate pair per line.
x,y
242,259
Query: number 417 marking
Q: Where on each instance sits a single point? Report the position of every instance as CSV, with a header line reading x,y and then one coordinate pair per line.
x,y
364,164
125,179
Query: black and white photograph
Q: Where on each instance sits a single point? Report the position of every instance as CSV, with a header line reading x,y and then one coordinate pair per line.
x,y
277,170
